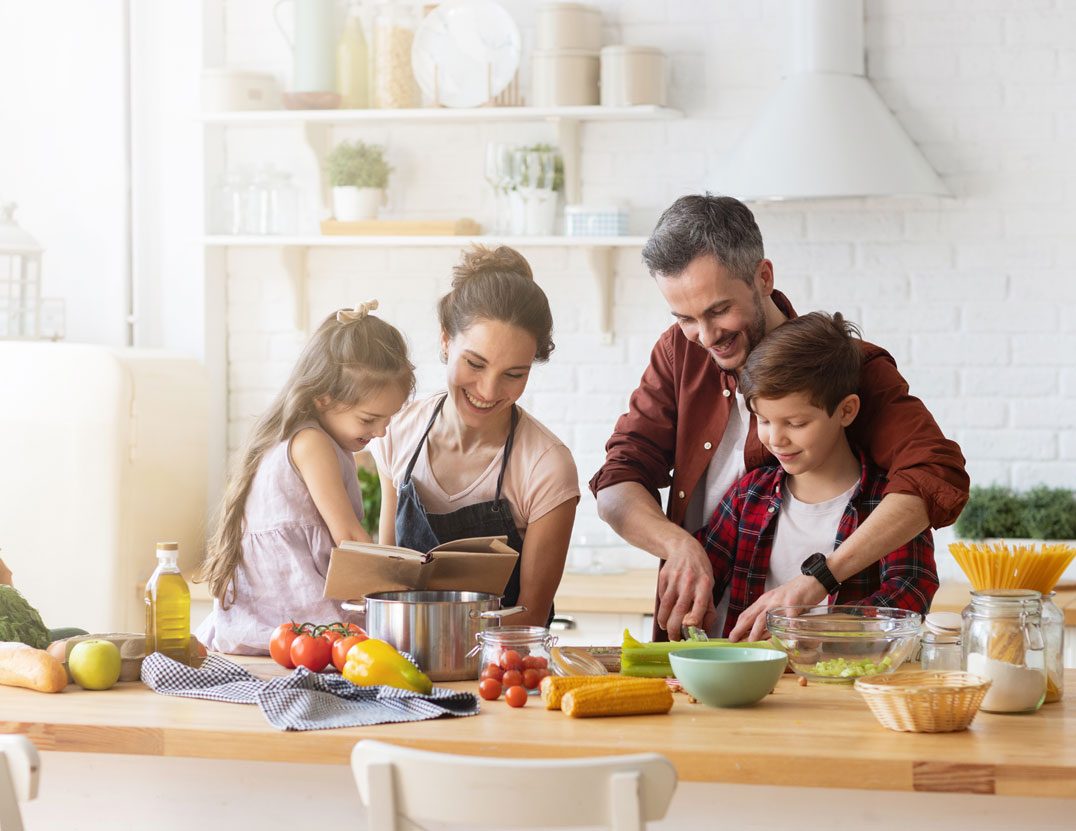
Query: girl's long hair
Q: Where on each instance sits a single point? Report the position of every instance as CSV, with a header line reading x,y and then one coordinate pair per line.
x,y
351,356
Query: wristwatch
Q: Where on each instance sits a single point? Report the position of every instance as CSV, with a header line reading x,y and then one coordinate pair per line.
x,y
815,566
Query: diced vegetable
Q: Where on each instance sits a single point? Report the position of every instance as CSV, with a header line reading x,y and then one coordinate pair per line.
x,y
843,668
618,697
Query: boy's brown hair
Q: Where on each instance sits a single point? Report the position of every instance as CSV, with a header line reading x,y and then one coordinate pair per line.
x,y
815,354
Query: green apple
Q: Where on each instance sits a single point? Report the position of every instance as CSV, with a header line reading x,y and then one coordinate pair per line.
x,y
94,664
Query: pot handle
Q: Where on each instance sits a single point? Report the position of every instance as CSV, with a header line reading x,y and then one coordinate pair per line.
x,y
499,613
354,606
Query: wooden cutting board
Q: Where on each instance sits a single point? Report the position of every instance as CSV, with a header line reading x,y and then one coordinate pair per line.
x,y
402,228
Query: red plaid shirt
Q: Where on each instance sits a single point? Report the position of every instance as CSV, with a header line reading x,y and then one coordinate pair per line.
x,y
740,535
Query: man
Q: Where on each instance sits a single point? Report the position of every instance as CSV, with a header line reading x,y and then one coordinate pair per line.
x,y
687,427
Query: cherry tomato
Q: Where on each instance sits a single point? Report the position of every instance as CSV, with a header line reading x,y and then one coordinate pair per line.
x,y
531,678
490,689
311,652
516,696
352,629
341,647
540,662
528,662
280,644
510,660
512,678
332,635
493,671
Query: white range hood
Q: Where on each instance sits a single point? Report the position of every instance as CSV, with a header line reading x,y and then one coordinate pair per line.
x,y
825,133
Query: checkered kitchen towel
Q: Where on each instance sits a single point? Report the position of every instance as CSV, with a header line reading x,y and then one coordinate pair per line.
x,y
304,700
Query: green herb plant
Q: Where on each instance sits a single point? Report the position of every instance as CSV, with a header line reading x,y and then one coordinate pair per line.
x,y
357,164
558,162
999,512
370,486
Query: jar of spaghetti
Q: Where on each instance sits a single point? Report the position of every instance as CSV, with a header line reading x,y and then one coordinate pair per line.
x,y
1053,635
1002,641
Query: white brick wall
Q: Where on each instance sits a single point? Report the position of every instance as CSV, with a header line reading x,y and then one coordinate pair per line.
x,y
975,296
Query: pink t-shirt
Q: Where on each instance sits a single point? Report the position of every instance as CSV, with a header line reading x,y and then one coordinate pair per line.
x,y
541,473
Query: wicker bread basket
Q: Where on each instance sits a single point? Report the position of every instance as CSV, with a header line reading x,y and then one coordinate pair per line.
x,y
924,701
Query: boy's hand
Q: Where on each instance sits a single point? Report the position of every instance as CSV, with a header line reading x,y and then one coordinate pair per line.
x,y
686,588
801,590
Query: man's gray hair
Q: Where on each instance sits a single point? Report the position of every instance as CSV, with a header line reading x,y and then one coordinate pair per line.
x,y
705,224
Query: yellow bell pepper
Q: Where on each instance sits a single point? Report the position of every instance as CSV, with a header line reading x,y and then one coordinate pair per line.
x,y
372,662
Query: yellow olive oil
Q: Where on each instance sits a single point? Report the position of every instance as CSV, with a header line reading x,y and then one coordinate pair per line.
x,y
168,607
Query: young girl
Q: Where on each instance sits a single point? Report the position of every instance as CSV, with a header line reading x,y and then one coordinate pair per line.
x,y
469,462
296,493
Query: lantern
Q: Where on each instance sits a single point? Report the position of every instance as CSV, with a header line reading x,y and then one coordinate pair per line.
x,y
20,278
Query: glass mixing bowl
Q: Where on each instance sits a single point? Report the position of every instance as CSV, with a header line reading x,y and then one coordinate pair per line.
x,y
842,643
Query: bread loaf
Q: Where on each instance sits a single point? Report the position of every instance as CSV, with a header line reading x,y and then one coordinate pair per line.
x,y
35,669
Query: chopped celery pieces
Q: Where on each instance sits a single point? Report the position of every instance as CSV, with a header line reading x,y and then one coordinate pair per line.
x,y
843,668
651,660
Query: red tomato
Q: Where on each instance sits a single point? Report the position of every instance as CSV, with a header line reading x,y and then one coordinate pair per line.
x,y
341,647
352,629
332,635
516,696
512,678
490,689
528,662
531,678
311,652
510,660
493,671
280,644
540,662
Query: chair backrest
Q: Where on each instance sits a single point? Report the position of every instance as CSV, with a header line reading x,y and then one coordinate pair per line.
x,y
622,793
20,767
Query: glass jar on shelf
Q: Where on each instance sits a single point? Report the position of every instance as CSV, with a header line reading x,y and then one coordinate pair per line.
x,y
394,31
940,641
227,216
283,206
1053,634
256,219
515,655
1002,641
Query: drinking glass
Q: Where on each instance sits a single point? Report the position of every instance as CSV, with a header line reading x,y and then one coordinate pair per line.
x,y
498,172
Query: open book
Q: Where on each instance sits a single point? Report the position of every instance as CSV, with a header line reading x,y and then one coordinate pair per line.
x,y
481,564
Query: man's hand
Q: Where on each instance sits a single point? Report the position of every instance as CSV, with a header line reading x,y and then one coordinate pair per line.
x,y
799,591
686,589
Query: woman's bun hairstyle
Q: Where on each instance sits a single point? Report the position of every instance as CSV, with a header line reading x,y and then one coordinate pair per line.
x,y
497,284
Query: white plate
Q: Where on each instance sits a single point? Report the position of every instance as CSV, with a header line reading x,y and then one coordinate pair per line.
x,y
465,52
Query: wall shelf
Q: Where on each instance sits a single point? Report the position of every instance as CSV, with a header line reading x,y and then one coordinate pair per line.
x,y
264,118
294,252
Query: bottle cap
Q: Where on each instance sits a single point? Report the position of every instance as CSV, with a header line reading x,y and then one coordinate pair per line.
x,y
168,546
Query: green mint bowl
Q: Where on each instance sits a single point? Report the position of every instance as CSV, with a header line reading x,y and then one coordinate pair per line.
x,y
837,644
722,676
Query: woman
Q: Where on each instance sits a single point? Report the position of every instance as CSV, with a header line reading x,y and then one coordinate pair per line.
x,y
468,462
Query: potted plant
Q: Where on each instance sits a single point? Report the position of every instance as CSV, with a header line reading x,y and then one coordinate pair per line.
x,y
358,174
537,179
1039,515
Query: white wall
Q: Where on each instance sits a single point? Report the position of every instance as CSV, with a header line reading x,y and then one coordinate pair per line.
x,y
62,152
975,296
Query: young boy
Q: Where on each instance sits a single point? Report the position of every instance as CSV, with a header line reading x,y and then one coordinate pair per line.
x,y
779,521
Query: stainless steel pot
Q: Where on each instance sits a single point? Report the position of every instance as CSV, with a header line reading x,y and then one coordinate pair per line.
x,y
437,627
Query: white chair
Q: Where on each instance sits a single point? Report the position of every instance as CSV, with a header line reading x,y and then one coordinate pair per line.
x,y
20,767
401,785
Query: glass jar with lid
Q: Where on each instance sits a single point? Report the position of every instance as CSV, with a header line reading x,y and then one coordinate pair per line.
x,y
940,641
1002,640
1053,634
395,22
515,655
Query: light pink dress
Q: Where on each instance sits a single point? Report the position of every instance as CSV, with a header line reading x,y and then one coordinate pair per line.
x,y
286,546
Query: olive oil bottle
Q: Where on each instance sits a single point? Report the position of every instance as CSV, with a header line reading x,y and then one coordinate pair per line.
x,y
168,607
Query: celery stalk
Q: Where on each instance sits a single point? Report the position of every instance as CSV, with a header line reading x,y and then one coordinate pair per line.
x,y
651,660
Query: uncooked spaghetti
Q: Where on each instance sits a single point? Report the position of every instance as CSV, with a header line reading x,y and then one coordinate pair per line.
x,y
1001,566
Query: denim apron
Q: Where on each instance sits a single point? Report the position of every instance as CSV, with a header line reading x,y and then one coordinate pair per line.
x,y
422,531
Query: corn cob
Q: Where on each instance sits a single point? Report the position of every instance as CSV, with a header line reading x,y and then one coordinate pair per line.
x,y
632,698
554,687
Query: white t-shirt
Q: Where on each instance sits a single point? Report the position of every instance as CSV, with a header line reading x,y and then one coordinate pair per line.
x,y
802,529
726,468
541,473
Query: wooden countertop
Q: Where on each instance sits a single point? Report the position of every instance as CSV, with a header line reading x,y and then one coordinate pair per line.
x,y
631,592
953,597
810,736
